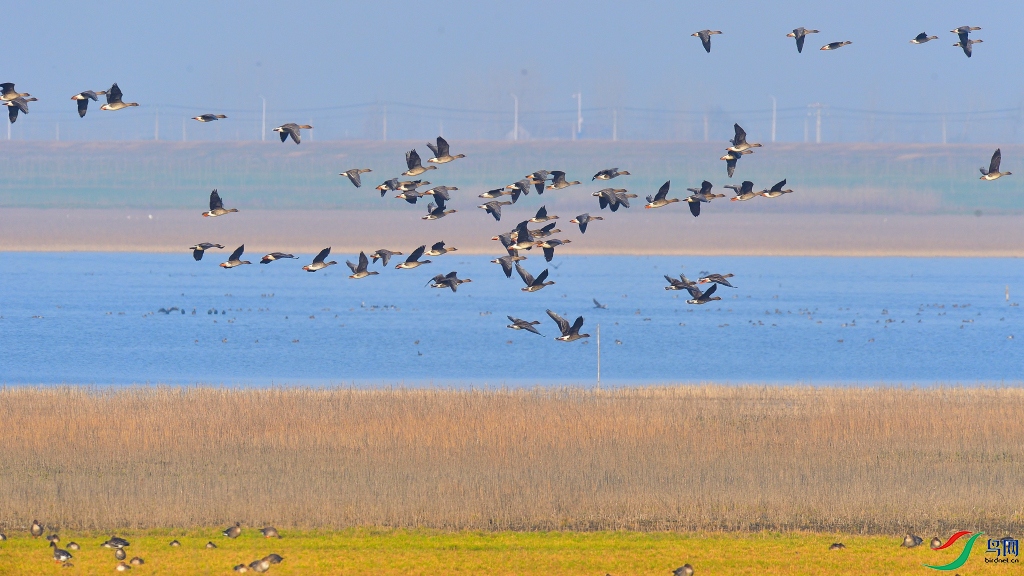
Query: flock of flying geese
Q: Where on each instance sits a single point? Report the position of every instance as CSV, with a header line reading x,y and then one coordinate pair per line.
x,y
800,34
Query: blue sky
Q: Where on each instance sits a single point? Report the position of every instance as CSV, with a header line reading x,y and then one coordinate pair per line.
x,y
461,60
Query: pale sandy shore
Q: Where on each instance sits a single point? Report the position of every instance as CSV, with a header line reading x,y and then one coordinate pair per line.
x,y
665,232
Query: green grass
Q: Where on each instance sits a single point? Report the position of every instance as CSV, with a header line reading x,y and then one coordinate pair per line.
x,y
382,552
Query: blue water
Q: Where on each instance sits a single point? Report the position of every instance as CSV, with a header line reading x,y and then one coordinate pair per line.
x,y
89,318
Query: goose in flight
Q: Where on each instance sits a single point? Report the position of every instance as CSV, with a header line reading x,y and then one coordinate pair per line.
x,y
962,32
544,231
114,101
569,333
542,216
775,191
520,324
612,198
267,259
441,191
451,280
538,179
598,305
318,262
292,129
496,193
609,173
413,260
441,155
359,270
83,100
209,117
234,260
507,262
383,254
800,34
8,93
413,162
699,297
967,46
716,278
683,283
739,141
835,45
17,105
549,247
922,38
523,237
743,192
217,206
533,284
702,194
519,188
435,212
494,208
438,249
705,38
661,198
731,158
993,167
198,249
558,181
388,186
583,220
353,175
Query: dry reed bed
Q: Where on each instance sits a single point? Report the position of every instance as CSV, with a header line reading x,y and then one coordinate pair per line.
x,y
687,458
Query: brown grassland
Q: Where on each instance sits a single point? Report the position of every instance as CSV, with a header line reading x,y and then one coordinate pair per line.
x,y
686,458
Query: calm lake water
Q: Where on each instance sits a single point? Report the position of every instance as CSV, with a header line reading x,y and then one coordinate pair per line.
x,y
91,318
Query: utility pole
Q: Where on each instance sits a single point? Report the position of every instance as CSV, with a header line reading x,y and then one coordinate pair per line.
x,y
598,356
515,118
615,125
705,126
774,102
263,132
817,126
579,114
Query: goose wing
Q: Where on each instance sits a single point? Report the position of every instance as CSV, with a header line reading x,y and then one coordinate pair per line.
x,y
542,213
709,291
575,329
436,246
694,208
747,187
778,186
740,137
237,254
8,88
694,291
705,39
113,95
363,261
557,177
542,277
354,268
922,37
433,149
442,147
506,265
563,325
800,42
83,107
416,254
663,191
323,254
993,166
412,159
526,276
215,201
523,231
353,176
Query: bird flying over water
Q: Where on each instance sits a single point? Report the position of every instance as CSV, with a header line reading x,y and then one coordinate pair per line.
x,y
83,100
520,324
583,220
702,194
549,247
8,93
609,173
235,259
507,262
731,158
494,208
661,198
217,206
199,249
776,190
598,305
267,259
383,254
114,102
533,284
441,155
800,34
743,192
451,280
318,262
739,140
716,278
438,249
542,216
413,260
353,175
683,283
359,270
558,181
437,211
705,38
19,104
993,168
569,333
699,297
292,129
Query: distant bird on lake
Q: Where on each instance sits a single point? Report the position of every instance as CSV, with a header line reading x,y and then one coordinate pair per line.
x,y
83,100
533,284
660,199
609,173
437,211
549,247
699,297
494,208
800,34
683,283
413,260
705,38
922,38
217,206
558,181
684,570
359,270
60,555
520,324
743,192
353,175
569,333
775,191
598,305
233,531
277,256
235,259
17,105
911,541
441,155
292,129
209,117
438,249
383,254
583,220
114,101
542,216
716,278
993,167
270,531
507,262
451,280
739,140
318,262
413,162
835,45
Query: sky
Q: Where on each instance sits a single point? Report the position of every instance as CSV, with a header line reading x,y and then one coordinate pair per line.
x,y
452,67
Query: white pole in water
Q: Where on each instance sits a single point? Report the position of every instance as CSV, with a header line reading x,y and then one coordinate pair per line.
x,y
1007,292
515,119
598,355
774,102
263,132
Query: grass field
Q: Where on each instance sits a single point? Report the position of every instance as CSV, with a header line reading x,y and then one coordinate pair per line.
x,y
383,552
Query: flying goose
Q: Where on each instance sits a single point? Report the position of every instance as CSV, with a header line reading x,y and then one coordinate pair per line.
x,y
383,254
743,192
441,191
438,249
412,160
359,270
800,34
83,100
235,258
276,256
292,129
353,176
739,140
17,105
922,38
682,283
965,45
538,179
496,193
702,194
549,247
523,237
609,173
705,38
533,284
413,260
962,32
611,198
388,185
441,155
583,220
717,279
507,261
116,542
209,117
60,555
451,280
776,190
558,181
518,188
661,198
494,208
410,196
37,529
731,158
198,249
435,212
520,324
699,297
835,45
114,101
233,531
7,92
598,305
217,206
543,232
318,262
542,216
569,333
993,167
